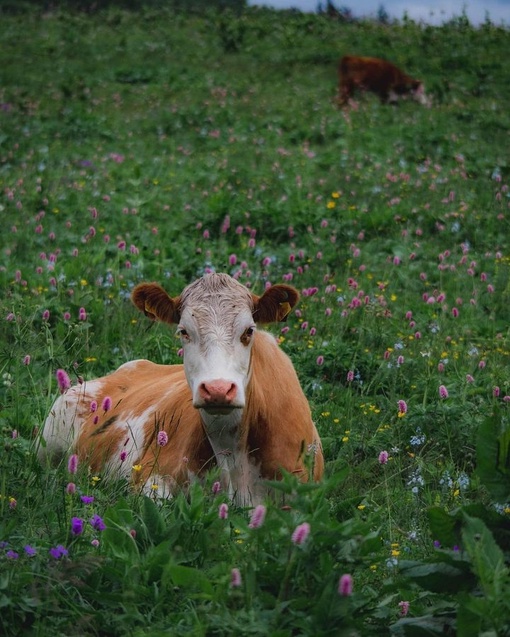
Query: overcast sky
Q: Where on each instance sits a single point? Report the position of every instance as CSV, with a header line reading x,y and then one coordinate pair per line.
x,y
429,11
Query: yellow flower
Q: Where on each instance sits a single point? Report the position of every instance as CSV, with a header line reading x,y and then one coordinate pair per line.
x,y
83,282
335,195
361,506
330,205
345,439
137,467
154,487
95,479
395,553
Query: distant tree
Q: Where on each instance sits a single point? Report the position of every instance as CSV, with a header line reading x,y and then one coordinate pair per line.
x,y
382,15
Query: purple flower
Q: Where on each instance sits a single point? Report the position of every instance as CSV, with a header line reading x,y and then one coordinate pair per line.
x,y
443,392
96,522
71,488
77,526
82,314
72,464
63,380
257,517
300,534
345,585
26,359
216,487
404,608
402,407
12,555
383,457
29,550
223,511
107,403
58,551
87,499
162,438
235,578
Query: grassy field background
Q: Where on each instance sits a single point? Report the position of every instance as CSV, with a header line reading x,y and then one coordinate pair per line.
x,y
157,145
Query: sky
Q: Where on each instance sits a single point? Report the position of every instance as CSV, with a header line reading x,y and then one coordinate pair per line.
x,y
427,11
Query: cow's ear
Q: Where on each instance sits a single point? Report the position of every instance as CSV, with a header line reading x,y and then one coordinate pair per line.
x,y
154,302
275,304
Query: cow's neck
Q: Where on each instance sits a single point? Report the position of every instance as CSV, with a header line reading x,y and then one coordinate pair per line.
x,y
239,474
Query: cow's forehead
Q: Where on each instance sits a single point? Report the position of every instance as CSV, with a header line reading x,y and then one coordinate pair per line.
x,y
216,298
216,290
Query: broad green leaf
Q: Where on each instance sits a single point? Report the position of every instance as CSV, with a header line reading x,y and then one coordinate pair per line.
x,y
493,456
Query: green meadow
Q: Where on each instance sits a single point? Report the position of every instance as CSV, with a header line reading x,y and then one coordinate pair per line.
x,y
158,144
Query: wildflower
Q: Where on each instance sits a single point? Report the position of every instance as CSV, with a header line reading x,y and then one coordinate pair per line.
x,y
13,503
320,360
97,523
72,464
495,392
223,511
469,378
383,457
404,608
257,517
93,406
123,455
26,360
107,403
443,392
95,543
58,551
350,376
63,380
402,407
300,534
77,526
235,578
162,438
12,555
345,585
87,499
137,467
216,487
46,315
29,550
82,314
71,488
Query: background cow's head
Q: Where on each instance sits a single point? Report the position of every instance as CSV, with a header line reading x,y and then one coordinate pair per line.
x,y
216,319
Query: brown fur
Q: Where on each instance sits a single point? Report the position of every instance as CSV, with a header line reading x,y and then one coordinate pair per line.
x,y
375,75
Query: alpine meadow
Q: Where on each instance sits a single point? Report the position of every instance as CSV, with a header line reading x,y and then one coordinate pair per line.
x,y
158,141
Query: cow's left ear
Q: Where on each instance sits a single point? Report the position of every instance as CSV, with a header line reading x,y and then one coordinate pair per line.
x,y
155,303
275,304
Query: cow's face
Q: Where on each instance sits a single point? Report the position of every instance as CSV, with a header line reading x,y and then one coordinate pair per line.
x,y
418,93
216,321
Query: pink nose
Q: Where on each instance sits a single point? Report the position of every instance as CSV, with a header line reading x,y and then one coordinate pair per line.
x,y
218,392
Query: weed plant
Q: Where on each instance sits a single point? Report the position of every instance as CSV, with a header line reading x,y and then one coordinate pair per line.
x,y
158,146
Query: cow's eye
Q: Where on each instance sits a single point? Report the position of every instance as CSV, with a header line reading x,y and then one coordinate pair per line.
x,y
183,333
247,334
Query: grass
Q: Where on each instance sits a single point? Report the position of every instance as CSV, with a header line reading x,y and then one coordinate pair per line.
x,y
153,146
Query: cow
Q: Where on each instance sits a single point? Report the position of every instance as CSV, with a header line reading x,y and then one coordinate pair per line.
x,y
378,76
235,403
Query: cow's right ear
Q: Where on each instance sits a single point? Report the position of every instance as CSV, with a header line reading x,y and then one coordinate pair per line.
x,y
155,303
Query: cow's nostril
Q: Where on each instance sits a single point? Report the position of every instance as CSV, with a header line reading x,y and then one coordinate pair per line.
x,y
220,392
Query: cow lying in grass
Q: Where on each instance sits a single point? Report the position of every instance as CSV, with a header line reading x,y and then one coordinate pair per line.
x,y
377,76
235,403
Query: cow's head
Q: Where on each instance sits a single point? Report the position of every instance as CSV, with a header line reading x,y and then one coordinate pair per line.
x,y
418,93
216,319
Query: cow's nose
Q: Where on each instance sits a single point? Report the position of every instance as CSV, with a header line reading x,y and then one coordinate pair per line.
x,y
218,392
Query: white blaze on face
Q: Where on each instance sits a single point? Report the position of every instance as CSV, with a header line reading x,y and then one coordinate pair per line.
x,y
217,340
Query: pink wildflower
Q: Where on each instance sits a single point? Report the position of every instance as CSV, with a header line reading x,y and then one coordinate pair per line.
x,y
162,438
107,403
235,578
345,585
404,608
223,511
300,534
443,392
72,464
63,380
383,457
257,517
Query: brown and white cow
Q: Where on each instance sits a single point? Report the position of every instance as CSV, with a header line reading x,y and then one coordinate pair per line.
x,y
378,76
235,403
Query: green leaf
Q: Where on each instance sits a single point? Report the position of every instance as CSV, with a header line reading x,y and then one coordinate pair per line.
x,y
439,577
425,626
493,456
444,526
188,578
153,519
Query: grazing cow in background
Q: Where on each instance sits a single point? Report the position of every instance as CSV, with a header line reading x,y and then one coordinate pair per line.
x,y
378,76
235,403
